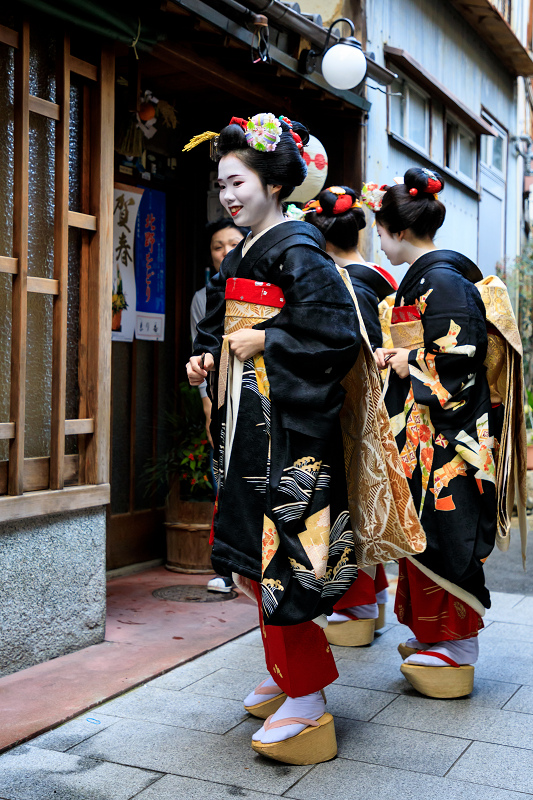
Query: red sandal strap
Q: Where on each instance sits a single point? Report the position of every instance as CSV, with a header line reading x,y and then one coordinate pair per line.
x,y
434,654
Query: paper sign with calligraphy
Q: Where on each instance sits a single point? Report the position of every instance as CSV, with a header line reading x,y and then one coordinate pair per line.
x,y
150,266
124,303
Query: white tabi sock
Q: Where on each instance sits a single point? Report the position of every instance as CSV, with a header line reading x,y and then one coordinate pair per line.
x,y
370,611
311,706
416,645
382,597
253,699
462,651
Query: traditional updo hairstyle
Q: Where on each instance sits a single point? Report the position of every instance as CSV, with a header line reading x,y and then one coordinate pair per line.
x,y
336,219
413,204
283,166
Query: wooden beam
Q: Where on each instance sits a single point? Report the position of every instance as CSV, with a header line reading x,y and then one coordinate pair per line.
x,y
86,222
9,36
36,504
37,473
216,75
437,90
61,223
9,265
83,68
43,285
44,107
7,430
101,273
20,252
78,426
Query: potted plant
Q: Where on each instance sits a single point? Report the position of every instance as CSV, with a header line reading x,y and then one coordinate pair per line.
x,y
184,472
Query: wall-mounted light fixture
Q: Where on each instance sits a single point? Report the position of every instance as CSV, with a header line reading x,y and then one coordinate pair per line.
x,y
343,65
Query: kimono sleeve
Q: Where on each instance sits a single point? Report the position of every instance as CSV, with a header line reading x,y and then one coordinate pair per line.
x,y
312,343
211,327
443,372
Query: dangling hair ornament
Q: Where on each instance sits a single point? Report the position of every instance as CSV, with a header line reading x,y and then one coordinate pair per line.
x,y
312,205
372,195
297,139
207,136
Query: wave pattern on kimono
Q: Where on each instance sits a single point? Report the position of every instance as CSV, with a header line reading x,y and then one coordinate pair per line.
x,y
443,421
282,512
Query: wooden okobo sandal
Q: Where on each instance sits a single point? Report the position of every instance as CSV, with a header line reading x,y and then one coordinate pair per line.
x,y
315,744
268,706
382,616
405,651
352,633
440,682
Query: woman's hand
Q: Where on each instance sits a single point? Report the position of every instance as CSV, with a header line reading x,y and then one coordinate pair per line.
x,y
246,343
206,403
398,359
195,372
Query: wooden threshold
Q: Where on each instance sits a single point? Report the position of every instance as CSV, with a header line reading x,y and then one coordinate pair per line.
x,y
72,498
85,221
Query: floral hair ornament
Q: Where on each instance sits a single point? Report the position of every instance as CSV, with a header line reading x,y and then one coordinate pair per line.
x,y
372,195
293,212
263,132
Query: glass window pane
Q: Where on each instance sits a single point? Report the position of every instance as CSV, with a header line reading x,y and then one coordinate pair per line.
x,y
38,375
485,149
467,155
497,153
397,101
418,119
41,197
451,134
437,133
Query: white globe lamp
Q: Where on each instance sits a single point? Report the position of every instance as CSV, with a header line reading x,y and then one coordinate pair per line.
x,y
344,64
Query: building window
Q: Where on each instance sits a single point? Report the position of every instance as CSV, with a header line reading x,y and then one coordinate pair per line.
x,y
493,151
55,251
409,111
461,151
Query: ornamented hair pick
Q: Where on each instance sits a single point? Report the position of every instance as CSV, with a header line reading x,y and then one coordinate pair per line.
x,y
372,195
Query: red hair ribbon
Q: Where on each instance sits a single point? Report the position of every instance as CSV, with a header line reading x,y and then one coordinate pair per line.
x,y
239,121
297,139
434,186
342,203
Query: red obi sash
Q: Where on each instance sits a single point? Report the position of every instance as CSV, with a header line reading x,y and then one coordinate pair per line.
x,y
405,314
257,292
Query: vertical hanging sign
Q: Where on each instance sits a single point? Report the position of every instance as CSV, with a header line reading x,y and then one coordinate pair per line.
x,y
124,302
150,266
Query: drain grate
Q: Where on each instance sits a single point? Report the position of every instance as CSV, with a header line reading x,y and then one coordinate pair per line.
x,y
192,594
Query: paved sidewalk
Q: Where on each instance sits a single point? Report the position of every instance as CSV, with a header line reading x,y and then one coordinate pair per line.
x,y
185,735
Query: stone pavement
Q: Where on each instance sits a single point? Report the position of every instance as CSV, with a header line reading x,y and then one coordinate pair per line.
x,y
185,735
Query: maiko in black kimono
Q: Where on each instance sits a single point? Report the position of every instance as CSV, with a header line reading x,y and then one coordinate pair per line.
x,y
282,511
442,417
371,285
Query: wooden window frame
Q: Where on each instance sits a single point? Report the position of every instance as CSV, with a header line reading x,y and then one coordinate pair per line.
x,y
409,86
454,168
39,486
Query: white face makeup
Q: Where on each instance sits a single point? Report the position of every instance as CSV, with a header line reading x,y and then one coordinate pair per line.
x,y
392,245
222,243
244,196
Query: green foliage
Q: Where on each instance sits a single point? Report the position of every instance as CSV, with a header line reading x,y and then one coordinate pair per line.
x,y
188,453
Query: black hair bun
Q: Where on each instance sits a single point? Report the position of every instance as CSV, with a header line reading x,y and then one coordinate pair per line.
x,y
337,201
302,132
421,182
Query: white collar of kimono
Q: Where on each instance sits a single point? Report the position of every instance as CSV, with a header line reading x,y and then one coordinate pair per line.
x,y
251,240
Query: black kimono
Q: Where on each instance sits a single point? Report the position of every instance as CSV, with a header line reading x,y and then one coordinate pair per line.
x,y
371,285
442,417
281,517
